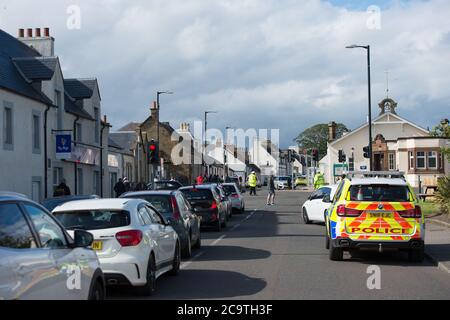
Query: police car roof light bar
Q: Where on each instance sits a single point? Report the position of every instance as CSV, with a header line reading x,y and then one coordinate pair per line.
x,y
376,174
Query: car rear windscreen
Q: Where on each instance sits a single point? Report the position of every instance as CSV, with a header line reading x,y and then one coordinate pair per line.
x,y
162,203
379,192
229,189
93,219
197,194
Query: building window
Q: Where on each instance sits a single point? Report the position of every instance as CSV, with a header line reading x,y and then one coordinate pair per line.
x,y
79,136
36,138
8,127
97,125
59,115
96,182
391,161
411,160
57,176
80,181
432,160
420,162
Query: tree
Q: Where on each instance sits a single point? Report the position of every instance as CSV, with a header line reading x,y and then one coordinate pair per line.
x,y
316,137
442,130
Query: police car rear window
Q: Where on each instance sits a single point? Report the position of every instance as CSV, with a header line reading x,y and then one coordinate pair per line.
x,y
379,192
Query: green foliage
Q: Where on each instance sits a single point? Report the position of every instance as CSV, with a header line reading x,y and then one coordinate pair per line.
x,y
443,194
443,131
316,137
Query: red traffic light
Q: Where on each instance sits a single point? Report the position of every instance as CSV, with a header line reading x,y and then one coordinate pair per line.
x,y
152,147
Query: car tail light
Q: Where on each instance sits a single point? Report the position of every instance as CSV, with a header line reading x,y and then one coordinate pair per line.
x,y
342,211
176,209
416,212
129,238
235,195
214,205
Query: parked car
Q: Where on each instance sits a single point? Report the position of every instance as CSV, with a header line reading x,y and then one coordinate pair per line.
x,y
52,203
301,181
134,242
314,209
283,182
237,200
39,259
225,199
178,212
208,204
165,185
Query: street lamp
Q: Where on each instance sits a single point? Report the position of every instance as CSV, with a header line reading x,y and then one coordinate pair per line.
x,y
225,160
370,99
206,128
157,104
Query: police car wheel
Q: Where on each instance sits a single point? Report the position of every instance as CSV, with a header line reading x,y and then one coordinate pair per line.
x,y
327,242
416,255
305,217
336,254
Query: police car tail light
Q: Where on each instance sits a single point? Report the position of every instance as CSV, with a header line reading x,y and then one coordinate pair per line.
x,y
416,212
342,211
214,205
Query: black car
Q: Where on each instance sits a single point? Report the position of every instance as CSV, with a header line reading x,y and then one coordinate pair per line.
x,y
207,203
178,212
52,203
165,185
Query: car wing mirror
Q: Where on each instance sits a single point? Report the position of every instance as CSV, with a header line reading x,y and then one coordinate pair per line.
x,y
83,239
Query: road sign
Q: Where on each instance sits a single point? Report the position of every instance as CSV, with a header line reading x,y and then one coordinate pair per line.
x,y
339,169
63,146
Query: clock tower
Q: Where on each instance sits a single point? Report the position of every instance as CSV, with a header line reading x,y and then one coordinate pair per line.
x,y
387,106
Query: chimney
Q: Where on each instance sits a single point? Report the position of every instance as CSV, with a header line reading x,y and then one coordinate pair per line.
x,y
21,33
332,131
105,119
154,112
45,45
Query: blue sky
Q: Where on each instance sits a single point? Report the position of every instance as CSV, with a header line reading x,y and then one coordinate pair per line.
x,y
262,63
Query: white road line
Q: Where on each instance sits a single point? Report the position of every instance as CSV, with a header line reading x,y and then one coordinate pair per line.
x,y
187,263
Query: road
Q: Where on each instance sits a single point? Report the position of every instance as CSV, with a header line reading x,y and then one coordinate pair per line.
x,y
268,253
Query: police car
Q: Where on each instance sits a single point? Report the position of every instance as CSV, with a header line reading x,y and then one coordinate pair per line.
x,y
374,210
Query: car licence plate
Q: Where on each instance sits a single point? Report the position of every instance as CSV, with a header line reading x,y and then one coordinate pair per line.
x,y
97,245
384,215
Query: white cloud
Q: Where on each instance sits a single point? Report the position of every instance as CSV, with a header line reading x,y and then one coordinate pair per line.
x,y
262,63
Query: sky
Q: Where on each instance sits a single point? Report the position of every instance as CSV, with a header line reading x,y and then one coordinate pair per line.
x,y
264,64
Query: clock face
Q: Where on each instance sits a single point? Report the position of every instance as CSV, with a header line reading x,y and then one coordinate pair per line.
x,y
387,106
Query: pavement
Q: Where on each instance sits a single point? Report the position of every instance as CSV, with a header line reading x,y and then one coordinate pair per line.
x,y
437,240
268,253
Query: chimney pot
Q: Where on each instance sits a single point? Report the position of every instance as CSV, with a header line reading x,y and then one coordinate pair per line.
x,y
332,131
30,33
105,120
46,32
38,32
154,105
21,33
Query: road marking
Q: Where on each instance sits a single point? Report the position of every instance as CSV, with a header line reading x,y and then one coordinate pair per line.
x,y
215,242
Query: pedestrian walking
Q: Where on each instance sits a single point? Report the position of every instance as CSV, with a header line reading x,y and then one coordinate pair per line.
x,y
271,187
62,189
119,188
252,183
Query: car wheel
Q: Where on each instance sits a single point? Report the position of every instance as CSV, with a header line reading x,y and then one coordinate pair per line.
x,y
187,251
98,291
305,217
176,260
198,244
416,255
327,240
336,254
150,287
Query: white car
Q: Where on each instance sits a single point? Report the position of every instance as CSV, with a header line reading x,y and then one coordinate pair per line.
x,y
134,242
38,258
233,192
314,209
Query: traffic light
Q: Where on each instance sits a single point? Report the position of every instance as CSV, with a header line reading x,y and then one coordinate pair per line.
x,y
366,152
342,156
315,154
153,152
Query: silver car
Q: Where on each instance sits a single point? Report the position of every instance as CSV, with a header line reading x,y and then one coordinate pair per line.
x,y
237,200
39,260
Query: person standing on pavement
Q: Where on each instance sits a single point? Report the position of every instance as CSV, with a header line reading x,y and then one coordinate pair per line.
x,y
271,187
252,182
199,179
62,189
119,188
319,180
